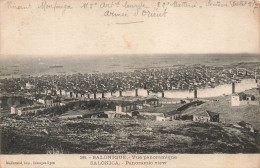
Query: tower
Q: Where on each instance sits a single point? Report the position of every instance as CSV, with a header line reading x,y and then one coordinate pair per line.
x,y
195,94
233,87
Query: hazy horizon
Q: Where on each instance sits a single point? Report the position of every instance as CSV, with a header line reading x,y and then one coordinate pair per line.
x,y
37,66
18,56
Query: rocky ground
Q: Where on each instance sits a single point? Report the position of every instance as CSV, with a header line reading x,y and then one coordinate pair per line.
x,y
35,135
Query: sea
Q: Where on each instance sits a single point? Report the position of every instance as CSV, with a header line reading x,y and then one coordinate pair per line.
x,y
17,66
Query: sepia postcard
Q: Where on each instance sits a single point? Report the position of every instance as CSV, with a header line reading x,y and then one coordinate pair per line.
x,y
129,83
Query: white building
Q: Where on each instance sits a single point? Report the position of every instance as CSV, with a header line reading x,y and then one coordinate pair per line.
x,y
160,118
235,100
29,86
14,110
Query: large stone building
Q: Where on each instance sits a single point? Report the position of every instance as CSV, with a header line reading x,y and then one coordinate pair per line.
x,y
26,110
48,101
125,107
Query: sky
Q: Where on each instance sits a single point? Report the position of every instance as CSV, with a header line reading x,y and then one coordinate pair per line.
x,y
35,32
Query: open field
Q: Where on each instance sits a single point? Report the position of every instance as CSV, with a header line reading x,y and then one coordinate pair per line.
x,y
43,135
161,108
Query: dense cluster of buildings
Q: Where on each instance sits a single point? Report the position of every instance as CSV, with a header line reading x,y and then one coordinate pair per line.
x,y
48,90
153,80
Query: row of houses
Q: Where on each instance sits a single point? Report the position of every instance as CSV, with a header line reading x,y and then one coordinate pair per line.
x,y
202,116
27,109
44,102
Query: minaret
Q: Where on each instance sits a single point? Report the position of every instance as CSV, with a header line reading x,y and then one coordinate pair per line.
x,y
195,94
95,95
233,87
255,75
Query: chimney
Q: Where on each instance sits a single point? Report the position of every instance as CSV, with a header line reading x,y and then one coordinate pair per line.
x,y
136,92
120,93
103,95
162,94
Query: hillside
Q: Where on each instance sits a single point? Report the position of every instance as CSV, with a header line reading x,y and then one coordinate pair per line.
x,y
124,136
229,114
